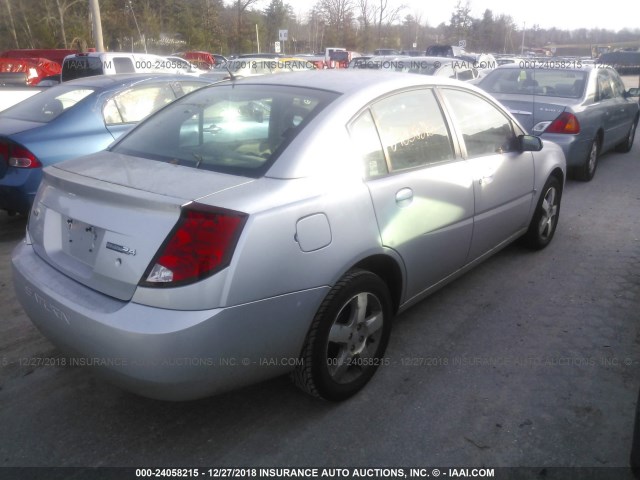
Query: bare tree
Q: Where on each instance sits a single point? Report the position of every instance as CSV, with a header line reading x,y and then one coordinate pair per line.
x,y
63,6
27,27
240,7
338,14
386,14
366,18
12,25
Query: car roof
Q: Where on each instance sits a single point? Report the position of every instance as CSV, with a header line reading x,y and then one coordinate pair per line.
x,y
106,81
349,81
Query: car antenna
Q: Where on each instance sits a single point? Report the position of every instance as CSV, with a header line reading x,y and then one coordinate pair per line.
x,y
232,77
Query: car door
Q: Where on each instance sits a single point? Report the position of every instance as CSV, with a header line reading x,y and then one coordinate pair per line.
x,y
608,106
421,190
503,177
623,109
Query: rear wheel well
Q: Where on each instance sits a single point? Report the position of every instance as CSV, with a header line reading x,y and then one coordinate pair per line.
x,y
389,271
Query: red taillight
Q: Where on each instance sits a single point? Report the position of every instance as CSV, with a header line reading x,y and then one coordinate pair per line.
x,y
201,244
565,123
22,158
4,152
16,156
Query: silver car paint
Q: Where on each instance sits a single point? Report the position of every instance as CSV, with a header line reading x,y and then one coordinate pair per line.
x,y
261,306
162,353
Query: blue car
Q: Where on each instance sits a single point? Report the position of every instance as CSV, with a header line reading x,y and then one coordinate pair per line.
x,y
74,119
583,108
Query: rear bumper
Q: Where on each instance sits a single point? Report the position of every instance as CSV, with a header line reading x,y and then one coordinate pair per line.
x,y
18,188
575,147
160,353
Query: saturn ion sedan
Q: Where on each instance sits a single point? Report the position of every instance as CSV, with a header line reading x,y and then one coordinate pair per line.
x,y
276,225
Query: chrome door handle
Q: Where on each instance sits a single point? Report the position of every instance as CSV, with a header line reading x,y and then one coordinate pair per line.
x,y
404,197
486,180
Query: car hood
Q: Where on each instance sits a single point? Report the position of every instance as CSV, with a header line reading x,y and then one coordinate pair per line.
x,y
532,109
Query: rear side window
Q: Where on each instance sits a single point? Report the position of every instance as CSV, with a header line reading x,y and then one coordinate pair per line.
x,y
133,105
48,105
80,67
485,130
413,130
123,65
230,128
364,137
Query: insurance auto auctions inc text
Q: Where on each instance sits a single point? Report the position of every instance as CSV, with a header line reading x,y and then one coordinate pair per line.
x,y
374,473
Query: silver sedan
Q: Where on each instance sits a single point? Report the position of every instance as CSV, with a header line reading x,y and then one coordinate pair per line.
x,y
277,225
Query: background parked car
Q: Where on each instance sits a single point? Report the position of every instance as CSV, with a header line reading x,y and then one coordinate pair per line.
x,y
436,66
110,63
256,66
277,224
586,110
73,119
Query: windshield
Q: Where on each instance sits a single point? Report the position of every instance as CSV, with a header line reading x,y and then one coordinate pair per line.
x,y
536,81
48,105
237,129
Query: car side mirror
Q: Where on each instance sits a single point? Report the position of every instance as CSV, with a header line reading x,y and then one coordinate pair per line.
x,y
529,143
633,92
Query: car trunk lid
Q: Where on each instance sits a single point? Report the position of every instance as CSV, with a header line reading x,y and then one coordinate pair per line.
x,y
101,220
531,110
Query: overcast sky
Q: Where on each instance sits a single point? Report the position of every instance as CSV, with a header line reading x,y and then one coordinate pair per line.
x,y
562,14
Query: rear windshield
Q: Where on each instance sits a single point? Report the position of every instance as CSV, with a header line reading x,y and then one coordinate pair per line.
x,y
48,105
80,67
236,129
536,81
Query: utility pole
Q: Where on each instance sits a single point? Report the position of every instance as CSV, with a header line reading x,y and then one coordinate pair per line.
x,y
94,7
258,38
143,40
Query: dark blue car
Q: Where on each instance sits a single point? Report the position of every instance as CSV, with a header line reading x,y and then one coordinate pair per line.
x,y
74,119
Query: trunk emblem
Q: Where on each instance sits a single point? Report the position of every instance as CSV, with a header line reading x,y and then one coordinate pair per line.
x,y
121,248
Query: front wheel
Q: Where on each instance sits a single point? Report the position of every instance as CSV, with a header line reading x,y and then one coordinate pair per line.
x,y
545,218
347,339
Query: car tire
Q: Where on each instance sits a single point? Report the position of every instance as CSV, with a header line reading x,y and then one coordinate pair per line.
x,y
588,170
545,218
347,338
625,146
634,459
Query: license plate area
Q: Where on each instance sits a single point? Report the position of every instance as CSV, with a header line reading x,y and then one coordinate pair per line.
x,y
81,240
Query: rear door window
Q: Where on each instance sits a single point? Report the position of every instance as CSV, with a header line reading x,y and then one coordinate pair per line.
x,y
413,130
